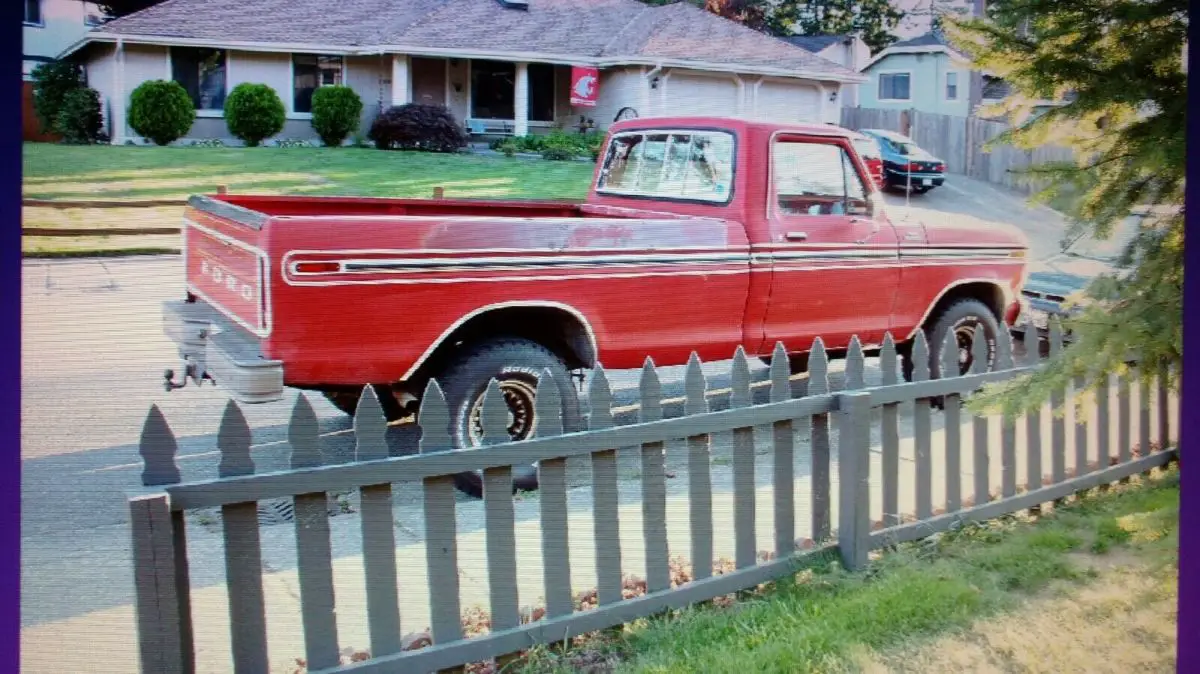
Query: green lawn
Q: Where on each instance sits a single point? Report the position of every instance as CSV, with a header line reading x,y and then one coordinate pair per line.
x,y
986,598
71,173
66,172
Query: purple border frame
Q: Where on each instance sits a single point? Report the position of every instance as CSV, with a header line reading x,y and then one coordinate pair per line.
x,y
10,361
1188,649
1188,627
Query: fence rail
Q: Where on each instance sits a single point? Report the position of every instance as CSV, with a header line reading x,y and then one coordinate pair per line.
x,y
960,142
838,423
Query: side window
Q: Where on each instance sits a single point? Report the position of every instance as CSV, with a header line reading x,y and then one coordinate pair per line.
x,y
692,165
816,179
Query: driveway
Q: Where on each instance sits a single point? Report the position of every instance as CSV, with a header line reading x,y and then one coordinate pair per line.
x,y
93,357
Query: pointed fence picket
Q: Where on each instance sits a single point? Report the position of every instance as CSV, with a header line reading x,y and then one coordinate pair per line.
x,y
160,546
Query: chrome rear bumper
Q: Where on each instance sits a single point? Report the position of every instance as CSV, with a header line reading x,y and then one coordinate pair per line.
x,y
213,347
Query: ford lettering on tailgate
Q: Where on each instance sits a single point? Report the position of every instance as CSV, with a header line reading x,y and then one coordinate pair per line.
x,y
228,274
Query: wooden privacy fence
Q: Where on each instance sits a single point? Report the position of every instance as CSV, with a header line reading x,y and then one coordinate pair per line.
x,y
959,141
160,540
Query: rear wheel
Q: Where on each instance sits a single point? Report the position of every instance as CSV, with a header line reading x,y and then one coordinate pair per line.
x,y
960,318
516,365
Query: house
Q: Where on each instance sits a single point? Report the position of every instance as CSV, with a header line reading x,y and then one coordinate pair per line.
x,y
845,50
503,66
48,27
923,73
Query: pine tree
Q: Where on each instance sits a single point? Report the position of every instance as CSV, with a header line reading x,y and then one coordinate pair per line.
x,y
1121,63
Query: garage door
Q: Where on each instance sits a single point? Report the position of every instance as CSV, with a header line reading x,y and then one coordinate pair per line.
x,y
692,95
786,102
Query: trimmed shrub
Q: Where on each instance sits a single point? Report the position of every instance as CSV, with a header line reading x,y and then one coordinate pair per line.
x,y
253,113
162,111
336,111
561,147
508,148
415,126
79,119
51,83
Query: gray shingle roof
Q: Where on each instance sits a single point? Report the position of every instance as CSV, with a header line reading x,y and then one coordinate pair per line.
x,y
934,38
815,43
590,30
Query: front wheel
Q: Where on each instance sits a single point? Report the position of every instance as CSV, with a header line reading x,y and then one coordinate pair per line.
x,y
960,318
516,365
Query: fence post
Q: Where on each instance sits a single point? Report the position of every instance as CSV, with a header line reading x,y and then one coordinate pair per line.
x,y
854,446
439,192
222,189
160,639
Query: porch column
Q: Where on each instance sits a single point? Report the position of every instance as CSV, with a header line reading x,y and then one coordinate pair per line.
x,y
401,82
521,100
117,100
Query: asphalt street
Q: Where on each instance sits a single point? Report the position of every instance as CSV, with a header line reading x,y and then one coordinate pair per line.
x,y
93,354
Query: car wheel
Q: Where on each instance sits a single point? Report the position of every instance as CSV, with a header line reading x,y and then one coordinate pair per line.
x,y
516,365
961,319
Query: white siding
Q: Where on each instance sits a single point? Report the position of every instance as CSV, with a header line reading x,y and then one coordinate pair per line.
x,y
99,74
63,23
364,74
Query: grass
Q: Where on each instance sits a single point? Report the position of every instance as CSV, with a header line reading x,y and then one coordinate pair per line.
x,y
984,598
68,173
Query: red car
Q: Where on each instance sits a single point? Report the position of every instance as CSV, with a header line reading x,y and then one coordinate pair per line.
x,y
699,234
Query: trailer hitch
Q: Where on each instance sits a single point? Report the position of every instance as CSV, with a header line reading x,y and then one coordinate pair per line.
x,y
189,374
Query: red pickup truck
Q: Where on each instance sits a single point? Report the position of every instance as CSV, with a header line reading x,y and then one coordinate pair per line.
x,y
698,234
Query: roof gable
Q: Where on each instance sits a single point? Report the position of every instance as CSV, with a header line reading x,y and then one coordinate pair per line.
x,y
816,43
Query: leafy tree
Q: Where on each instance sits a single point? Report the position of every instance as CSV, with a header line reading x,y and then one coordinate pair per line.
x,y
1122,61
51,83
757,14
872,20
80,120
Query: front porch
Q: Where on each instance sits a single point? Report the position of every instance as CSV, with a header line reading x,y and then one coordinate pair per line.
x,y
491,98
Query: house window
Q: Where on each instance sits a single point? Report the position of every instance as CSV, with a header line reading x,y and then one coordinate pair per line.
x,y
201,72
894,86
310,71
684,165
33,12
994,88
493,91
816,179
951,86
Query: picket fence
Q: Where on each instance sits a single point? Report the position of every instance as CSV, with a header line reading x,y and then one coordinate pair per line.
x,y
160,542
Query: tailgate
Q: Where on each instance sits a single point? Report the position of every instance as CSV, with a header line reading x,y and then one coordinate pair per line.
x,y
225,271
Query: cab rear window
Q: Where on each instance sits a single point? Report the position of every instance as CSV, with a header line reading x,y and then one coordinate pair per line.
x,y
685,165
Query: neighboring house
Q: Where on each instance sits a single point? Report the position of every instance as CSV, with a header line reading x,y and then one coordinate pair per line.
x,y
49,26
845,50
923,73
928,75
505,65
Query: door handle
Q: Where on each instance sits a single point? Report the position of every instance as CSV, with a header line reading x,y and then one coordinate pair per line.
x,y
796,236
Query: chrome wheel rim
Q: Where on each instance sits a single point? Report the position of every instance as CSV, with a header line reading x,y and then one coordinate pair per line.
x,y
519,399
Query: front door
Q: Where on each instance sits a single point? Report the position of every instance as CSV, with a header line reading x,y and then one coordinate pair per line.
x,y
429,81
834,255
